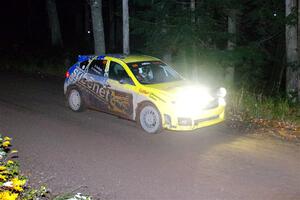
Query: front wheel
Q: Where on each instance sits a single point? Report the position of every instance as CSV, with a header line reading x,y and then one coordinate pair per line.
x,y
149,118
75,100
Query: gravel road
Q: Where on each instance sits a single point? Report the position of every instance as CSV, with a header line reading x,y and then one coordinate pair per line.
x,y
112,158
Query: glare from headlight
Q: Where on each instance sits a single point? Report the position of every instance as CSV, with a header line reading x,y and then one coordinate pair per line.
x,y
222,92
191,99
222,102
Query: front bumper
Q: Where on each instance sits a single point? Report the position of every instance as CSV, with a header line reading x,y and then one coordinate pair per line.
x,y
207,118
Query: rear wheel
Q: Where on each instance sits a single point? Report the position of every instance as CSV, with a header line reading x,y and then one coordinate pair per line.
x,y
149,118
75,100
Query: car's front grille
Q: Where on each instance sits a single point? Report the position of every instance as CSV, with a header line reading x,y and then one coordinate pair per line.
x,y
198,121
212,104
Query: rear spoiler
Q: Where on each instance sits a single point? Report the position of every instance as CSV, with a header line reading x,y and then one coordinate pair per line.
x,y
82,58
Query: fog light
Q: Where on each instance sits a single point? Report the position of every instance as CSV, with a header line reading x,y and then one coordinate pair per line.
x,y
222,92
184,121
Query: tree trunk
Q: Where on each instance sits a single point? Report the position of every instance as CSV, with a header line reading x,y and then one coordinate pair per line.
x,y
56,38
87,26
112,35
298,47
167,57
29,19
292,74
298,27
98,29
194,49
232,30
193,7
125,27
79,22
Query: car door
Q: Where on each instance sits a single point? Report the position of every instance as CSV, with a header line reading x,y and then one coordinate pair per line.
x,y
95,85
122,93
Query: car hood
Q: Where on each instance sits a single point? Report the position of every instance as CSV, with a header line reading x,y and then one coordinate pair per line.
x,y
170,87
171,90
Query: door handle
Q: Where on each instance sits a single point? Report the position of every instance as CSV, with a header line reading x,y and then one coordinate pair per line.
x,y
107,86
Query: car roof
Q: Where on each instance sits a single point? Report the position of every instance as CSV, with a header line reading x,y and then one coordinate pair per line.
x,y
123,57
137,58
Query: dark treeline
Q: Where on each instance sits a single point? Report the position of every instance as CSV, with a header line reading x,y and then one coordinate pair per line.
x,y
244,38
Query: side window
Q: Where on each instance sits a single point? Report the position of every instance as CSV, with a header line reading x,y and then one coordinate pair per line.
x,y
117,72
97,67
84,64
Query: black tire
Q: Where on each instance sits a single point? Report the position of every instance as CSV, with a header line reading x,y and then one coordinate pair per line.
x,y
74,100
149,118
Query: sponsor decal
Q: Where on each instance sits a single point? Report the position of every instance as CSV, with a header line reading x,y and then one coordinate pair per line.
x,y
153,96
121,102
115,101
96,89
143,91
77,74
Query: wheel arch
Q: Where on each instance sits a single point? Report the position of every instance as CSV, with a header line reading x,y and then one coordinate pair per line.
x,y
70,87
146,103
83,97
140,104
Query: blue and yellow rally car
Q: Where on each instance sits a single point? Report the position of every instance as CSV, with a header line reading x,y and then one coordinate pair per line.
x,y
143,89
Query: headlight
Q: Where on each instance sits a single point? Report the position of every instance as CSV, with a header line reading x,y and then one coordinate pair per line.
x,y
221,92
192,99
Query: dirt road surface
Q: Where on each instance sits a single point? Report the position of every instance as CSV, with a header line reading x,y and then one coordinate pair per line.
x,y
111,158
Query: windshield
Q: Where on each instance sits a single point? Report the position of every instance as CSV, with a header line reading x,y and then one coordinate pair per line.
x,y
152,72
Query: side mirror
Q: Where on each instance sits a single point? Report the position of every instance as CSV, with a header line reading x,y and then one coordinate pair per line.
x,y
122,81
126,81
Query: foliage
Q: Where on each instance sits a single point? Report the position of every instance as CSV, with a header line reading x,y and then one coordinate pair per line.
x,y
276,116
13,185
77,196
170,26
245,105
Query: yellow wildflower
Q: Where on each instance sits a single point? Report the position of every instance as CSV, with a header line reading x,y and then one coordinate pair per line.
x,y
2,177
5,144
2,168
4,172
18,184
9,162
7,138
7,195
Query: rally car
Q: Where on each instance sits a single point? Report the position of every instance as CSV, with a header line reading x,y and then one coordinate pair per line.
x,y
143,89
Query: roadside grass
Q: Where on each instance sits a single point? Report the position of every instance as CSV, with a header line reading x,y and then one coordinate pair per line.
x,y
256,110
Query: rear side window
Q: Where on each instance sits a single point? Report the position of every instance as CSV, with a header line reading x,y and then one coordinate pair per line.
x,y
117,72
84,64
97,67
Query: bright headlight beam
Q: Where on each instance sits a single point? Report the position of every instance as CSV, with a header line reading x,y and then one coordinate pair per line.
x,y
191,99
